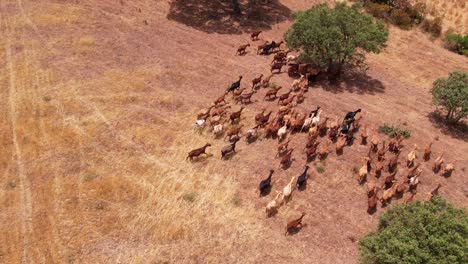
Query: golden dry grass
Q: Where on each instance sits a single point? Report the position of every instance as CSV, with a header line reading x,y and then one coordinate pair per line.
x,y
454,13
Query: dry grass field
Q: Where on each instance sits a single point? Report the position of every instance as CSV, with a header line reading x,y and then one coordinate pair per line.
x,y
97,104
454,13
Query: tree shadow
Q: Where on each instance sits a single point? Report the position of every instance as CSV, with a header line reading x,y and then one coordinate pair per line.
x,y
459,131
217,16
353,82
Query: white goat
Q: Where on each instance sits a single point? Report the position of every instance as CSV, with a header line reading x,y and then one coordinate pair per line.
x,y
296,83
282,131
291,58
199,124
316,119
287,190
273,205
218,129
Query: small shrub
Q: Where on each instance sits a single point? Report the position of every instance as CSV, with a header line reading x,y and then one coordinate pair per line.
x,y
355,170
432,26
378,10
189,197
89,177
237,201
457,43
272,85
391,131
12,184
401,19
419,232
320,169
46,98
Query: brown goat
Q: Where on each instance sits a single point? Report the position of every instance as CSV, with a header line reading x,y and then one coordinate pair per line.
x,y
427,152
277,66
197,152
234,131
364,170
381,152
393,162
364,135
340,143
374,141
246,98
449,168
434,191
256,81
379,166
241,49
410,197
263,120
323,150
271,94
372,201
284,96
236,115
322,127
294,225
286,159
221,99
261,46
282,147
266,81
254,35
312,150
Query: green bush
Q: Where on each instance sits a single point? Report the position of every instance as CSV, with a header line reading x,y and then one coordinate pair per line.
x,y
378,10
452,94
189,197
392,131
430,232
320,169
457,43
402,13
432,26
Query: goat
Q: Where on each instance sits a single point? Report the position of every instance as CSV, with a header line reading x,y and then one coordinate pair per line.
x,y
295,83
374,141
236,115
277,66
272,128
414,181
237,93
410,197
235,85
434,191
302,179
427,152
322,127
234,131
438,163
251,134
393,162
241,49
286,159
254,35
300,97
364,135
340,144
284,96
351,115
205,113
291,58
294,225
381,152
311,151
272,207
372,201
287,190
282,148
267,47
265,185
218,129
281,55
371,183
228,149
263,120
199,124
266,81
449,167
390,179
395,143
282,132
246,98
413,171
411,156
288,101
197,152
379,166
275,45
272,93
356,123
220,111
323,150
261,46
316,118
364,170
388,194
256,81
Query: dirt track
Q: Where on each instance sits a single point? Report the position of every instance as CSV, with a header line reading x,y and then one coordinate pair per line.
x,y
98,107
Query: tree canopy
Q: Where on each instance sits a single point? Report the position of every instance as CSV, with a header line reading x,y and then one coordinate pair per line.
x,y
336,36
430,232
452,94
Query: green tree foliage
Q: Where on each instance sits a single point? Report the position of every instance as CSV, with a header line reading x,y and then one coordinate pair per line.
x,y
403,13
431,232
452,94
334,37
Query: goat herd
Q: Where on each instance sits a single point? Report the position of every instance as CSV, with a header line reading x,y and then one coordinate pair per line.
x,y
288,119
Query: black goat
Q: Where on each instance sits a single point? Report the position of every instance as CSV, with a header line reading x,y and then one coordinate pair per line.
x,y
267,48
302,179
314,112
265,185
235,85
351,115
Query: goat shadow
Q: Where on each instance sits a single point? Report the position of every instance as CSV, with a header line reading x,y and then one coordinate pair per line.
x,y
303,187
459,131
294,231
266,192
218,16
372,210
